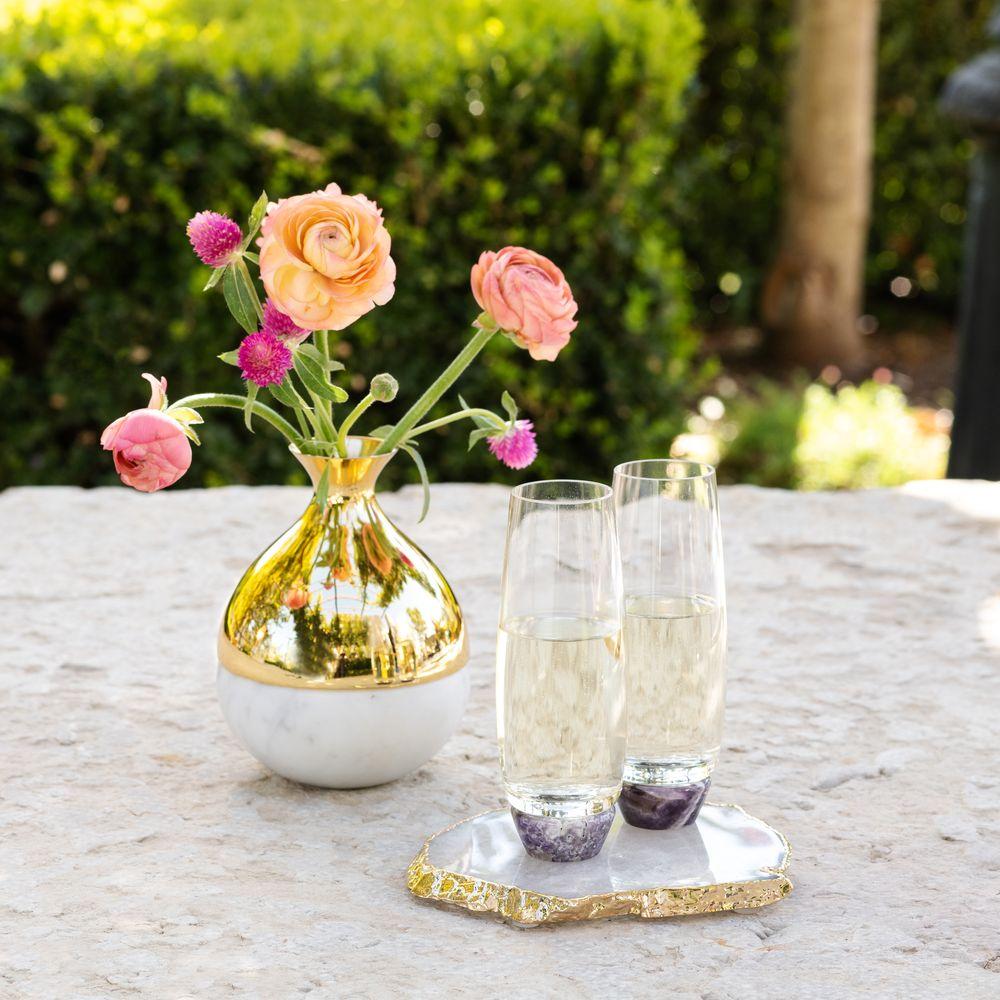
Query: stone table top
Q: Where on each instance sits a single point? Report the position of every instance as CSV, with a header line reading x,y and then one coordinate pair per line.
x,y
143,853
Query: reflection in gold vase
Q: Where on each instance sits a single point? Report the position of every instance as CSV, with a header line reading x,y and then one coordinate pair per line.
x,y
343,598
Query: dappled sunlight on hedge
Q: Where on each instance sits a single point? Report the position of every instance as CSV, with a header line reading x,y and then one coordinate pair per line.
x,y
811,437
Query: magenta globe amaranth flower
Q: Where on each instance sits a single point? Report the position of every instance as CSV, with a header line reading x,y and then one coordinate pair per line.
x,y
216,238
281,326
264,359
515,447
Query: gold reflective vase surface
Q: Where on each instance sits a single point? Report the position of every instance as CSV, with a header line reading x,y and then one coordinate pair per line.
x,y
343,599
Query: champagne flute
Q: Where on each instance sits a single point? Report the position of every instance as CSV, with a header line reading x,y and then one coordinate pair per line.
x,y
674,637
560,685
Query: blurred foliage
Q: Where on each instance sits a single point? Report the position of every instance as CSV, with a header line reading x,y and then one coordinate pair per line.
x,y
729,163
865,436
762,429
473,123
810,437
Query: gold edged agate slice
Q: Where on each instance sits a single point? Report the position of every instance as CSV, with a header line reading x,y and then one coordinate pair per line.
x,y
727,860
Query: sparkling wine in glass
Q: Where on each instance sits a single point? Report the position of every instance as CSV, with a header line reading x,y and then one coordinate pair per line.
x,y
560,684
674,637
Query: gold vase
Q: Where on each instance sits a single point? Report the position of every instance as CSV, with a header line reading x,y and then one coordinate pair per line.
x,y
342,649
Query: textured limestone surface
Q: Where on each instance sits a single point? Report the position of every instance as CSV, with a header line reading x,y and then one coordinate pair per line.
x,y
143,853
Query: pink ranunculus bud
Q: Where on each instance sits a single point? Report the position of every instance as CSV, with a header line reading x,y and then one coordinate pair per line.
x,y
324,258
215,237
281,326
527,297
150,449
515,447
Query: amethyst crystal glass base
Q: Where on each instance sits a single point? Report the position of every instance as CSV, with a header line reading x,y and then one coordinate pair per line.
x,y
574,838
662,807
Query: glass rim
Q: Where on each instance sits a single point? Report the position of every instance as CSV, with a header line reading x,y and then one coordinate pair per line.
x,y
602,493
694,470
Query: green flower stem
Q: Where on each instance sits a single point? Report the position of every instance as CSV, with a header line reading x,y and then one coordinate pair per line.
x,y
350,420
435,391
306,414
459,415
234,402
324,423
303,423
323,345
239,262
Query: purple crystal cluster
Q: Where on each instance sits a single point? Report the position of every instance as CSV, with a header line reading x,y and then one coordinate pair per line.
x,y
662,807
550,838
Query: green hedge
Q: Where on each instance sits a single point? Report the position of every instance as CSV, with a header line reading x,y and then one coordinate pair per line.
x,y
473,125
729,163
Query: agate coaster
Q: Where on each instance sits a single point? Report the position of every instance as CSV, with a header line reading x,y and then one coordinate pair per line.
x,y
724,860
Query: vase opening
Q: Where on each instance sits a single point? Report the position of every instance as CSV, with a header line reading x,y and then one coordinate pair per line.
x,y
349,476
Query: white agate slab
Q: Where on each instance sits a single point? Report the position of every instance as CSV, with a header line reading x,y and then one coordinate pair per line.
x,y
726,860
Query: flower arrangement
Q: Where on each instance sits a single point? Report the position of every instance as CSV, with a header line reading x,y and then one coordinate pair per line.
x,y
324,261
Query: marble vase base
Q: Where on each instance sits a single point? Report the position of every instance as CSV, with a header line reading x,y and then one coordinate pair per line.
x,y
662,807
551,838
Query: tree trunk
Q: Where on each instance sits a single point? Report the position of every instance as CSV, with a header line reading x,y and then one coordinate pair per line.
x,y
813,295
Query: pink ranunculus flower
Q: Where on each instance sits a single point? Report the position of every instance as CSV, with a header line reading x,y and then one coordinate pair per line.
x,y
150,449
528,298
324,258
295,598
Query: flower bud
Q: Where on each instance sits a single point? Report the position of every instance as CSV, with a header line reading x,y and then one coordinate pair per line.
x,y
216,238
384,388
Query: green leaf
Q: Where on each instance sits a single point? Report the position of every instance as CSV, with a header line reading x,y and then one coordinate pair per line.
x,y
422,469
284,393
185,415
477,435
213,280
312,351
323,487
241,296
190,433
230,358
248,406
314,378
479,421
256,218
380,432
507,402
251,256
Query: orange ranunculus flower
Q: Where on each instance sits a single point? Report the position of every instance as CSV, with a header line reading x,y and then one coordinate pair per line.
x,y
324,258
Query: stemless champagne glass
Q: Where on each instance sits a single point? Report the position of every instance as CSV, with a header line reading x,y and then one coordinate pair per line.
x,y
674,637
560,684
